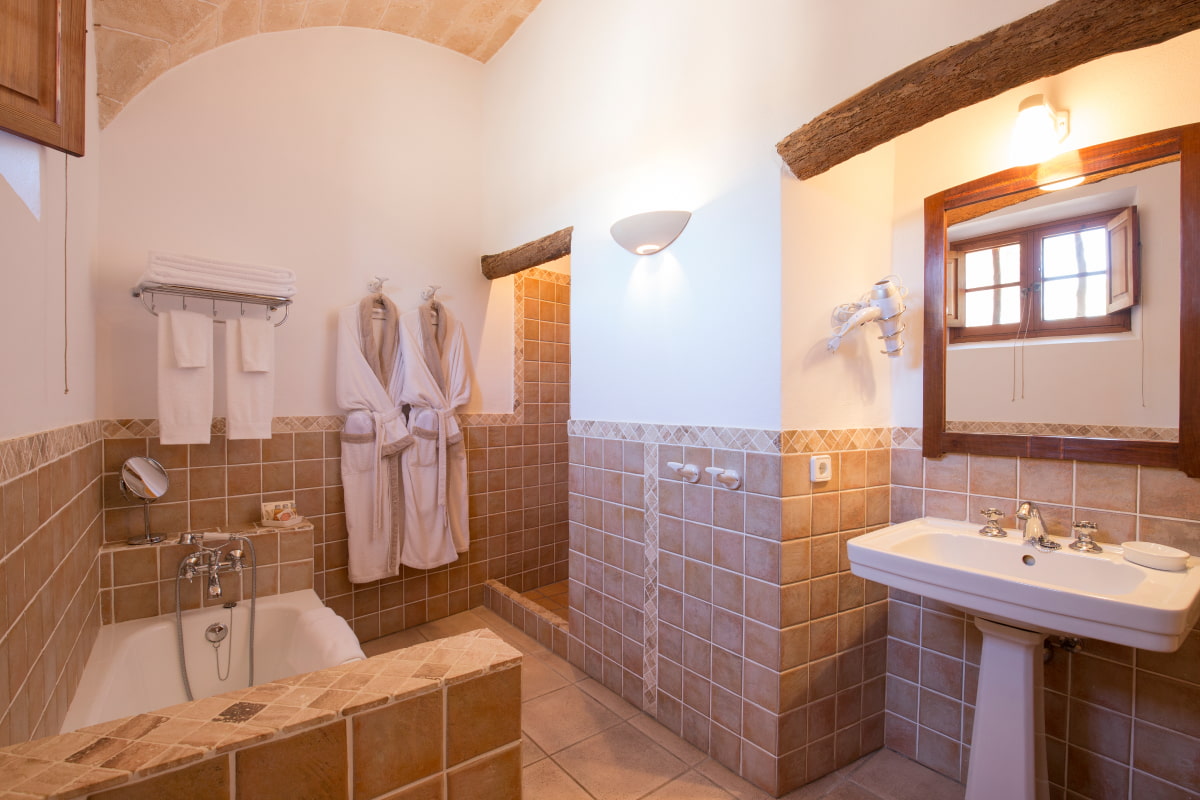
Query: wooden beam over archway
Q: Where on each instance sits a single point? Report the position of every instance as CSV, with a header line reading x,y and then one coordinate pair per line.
x,y
531,254
1048,41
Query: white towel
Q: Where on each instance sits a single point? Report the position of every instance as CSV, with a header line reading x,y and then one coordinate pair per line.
x,y
270,274
322,639
185,394
258,345
204,280
249,393
191,338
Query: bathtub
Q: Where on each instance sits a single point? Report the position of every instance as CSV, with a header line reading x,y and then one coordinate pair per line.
x,y
134,665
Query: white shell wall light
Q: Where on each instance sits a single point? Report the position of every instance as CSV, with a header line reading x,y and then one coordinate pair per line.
x,y
649,232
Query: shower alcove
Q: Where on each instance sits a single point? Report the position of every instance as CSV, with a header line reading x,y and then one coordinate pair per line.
x,y
532,481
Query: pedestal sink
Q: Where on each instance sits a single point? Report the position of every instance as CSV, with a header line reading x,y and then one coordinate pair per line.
x,y
1018,596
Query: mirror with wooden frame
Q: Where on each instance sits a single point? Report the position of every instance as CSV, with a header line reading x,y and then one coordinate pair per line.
x,y
961,208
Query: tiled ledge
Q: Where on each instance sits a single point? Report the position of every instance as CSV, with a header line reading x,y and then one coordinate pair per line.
x,y
145,746
138,582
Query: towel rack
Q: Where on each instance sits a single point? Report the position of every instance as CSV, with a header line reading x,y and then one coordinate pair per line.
x,y
271,302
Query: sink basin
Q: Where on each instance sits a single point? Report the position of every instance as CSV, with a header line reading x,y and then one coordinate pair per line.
x,y
1099,596
1019,594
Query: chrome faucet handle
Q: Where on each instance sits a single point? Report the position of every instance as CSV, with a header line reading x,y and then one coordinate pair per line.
x,y
1085,533
191,538
992,528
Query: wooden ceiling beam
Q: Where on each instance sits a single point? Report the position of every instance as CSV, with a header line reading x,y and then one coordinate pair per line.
x,y
1048,41
531,254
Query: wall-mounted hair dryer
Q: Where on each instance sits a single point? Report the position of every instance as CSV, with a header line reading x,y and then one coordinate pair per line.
x,y
884,304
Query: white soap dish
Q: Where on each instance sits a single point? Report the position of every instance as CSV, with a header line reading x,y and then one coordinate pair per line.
x,y
1156,556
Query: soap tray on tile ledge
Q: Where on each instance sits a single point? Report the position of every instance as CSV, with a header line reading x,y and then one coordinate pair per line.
x,y
282,523
1155,556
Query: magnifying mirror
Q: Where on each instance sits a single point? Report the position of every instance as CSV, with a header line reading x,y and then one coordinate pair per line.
x,y
145,479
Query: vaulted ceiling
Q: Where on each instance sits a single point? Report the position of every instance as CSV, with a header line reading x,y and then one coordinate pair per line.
x,y
138,40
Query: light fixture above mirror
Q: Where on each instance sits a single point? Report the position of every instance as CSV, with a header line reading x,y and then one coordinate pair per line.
x,y
649,232
1038,131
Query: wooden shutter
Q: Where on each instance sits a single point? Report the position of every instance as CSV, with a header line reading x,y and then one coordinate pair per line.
x,y
1124,262
955,313
42,71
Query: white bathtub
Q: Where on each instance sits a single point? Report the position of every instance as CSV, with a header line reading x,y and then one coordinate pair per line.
x,y
134,665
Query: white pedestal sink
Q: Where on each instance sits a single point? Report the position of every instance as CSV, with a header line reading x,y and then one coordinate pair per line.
x,y
1018,596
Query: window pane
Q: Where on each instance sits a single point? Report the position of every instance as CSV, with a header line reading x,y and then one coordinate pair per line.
x,y
1010,305
1060,299
1060,256
981,266
980,308
1096,301
1010,263
1095,250
979,269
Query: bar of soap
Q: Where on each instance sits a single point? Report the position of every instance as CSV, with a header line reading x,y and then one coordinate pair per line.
x,y
1156,556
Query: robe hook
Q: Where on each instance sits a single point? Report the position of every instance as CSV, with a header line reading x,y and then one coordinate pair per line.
x,y
429,292
242,306
376,286
185,303
214,308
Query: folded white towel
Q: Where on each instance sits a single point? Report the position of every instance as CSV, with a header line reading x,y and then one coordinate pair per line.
x,y
249,389
258,345
183,277
185,394
276,274
322,639
191,338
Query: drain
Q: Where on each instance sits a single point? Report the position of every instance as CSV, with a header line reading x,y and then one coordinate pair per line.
x,y
1028,561
216,632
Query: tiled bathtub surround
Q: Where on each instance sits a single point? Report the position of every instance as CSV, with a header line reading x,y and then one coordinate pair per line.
x,y
439,719
50,529
138,582
517,473
738,619
1122,723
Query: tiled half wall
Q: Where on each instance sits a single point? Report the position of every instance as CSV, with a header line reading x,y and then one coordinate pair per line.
x,y
731,615
1121,723
50,531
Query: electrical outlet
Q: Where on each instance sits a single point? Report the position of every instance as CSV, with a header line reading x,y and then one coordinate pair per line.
x,y
820,469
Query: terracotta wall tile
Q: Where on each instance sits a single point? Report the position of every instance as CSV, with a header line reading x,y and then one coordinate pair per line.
x,y
398,744
497,776
308,764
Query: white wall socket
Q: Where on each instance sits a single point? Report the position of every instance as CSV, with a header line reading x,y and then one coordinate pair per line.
x,y
820,469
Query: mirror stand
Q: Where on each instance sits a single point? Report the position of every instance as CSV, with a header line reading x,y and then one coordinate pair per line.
x,y
147,537
144,479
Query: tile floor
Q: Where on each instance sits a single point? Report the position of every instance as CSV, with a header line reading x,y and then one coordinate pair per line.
x,y
582,742
552,597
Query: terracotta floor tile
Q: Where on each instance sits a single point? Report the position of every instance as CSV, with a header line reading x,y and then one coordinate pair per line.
x,y
608,698
530,752
562,718
894,777
690,786
538,678
619,764
668,741
545,780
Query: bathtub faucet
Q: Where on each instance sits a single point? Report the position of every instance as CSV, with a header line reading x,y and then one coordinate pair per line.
x,y
207,560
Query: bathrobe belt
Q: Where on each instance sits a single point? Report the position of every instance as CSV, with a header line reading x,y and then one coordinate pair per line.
x,y
447,433
385,448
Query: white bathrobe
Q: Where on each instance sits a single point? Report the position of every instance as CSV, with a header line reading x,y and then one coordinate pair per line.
x,y
368,381
436,381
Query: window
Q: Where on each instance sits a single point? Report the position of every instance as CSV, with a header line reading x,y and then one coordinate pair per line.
x,y
1063,278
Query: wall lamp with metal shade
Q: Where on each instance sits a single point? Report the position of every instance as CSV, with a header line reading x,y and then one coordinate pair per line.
x,y
649,232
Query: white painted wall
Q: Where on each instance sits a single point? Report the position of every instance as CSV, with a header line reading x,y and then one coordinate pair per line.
x,y
599,110
44,194
1117,96
340,153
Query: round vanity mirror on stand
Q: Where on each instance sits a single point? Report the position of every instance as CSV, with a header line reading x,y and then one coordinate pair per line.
x,y
145,479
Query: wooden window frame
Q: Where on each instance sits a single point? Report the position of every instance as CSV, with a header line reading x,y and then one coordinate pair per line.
x,y
1029,238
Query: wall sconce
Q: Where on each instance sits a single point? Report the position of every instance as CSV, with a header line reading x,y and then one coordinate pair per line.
x,y
1039,130
643,234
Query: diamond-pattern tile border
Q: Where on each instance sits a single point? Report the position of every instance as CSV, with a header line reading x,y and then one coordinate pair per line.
x,y
750,440
650,615
1138,433
27,453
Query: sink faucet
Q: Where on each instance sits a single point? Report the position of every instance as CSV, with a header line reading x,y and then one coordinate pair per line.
x,y
1035,531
